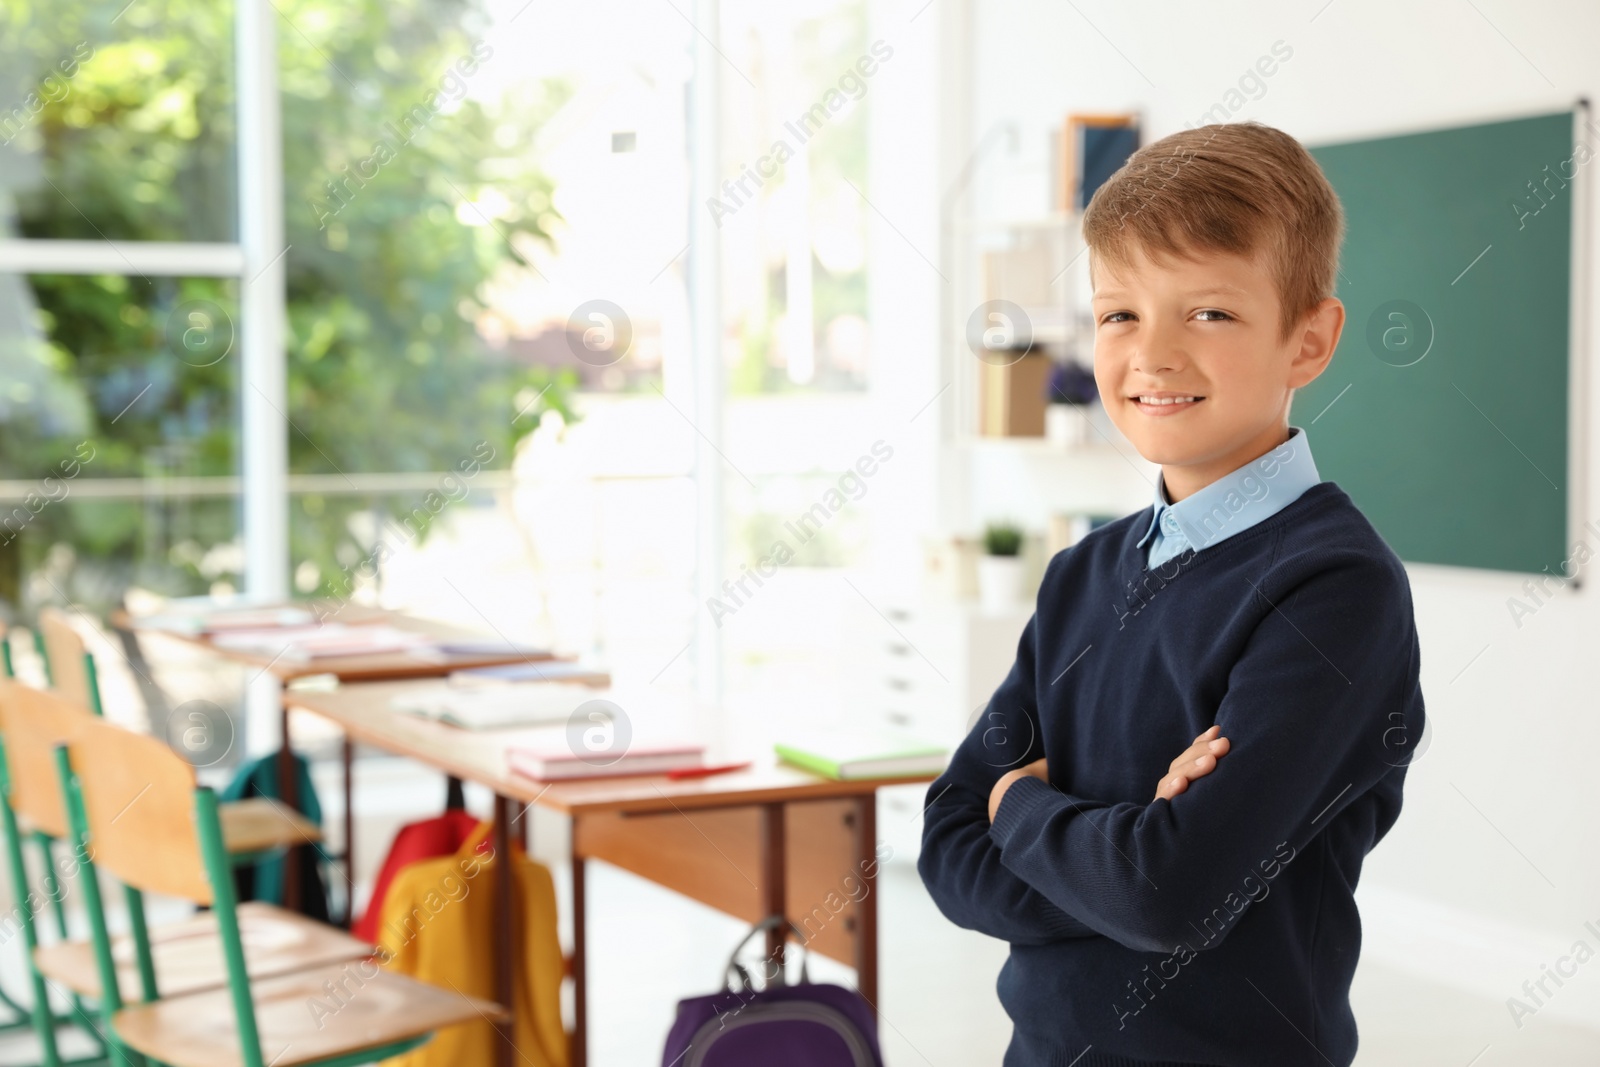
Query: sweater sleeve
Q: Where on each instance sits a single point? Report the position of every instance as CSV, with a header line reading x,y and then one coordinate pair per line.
x,y
959,861
1321,684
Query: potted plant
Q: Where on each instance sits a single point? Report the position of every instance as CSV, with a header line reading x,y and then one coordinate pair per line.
x,y
1000,567
1072,389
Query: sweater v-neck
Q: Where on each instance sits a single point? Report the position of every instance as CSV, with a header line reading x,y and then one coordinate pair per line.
x,y
1133,559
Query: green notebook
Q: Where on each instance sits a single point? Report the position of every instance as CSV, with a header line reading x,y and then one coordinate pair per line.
x,y
851,755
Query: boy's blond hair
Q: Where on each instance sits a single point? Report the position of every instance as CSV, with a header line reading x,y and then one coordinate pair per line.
x,y
1236,187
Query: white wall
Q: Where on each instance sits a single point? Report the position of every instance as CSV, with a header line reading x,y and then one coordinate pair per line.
x,y
905,285
1494,866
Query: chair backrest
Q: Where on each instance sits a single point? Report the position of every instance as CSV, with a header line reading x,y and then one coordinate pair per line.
x,y
139,808
33,722
65,650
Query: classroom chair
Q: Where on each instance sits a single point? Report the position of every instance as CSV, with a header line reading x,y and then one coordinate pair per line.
x,y
17,827
135,808
256,824
188,955
68,664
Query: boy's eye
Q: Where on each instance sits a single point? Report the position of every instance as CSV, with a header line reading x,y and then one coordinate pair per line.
x,y
1221,316
1116,316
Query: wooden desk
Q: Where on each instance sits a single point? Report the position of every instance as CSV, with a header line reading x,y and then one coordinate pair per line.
x,y
772,839
374,667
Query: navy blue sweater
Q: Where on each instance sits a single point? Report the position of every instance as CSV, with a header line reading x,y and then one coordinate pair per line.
x,y
1218,927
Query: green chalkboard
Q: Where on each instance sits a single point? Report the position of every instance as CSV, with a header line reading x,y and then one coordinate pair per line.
x,y
1444,413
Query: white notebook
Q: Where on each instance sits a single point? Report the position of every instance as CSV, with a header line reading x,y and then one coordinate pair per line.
x,y
494,707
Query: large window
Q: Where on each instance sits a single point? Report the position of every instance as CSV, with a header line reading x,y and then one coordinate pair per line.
x,y
791,212
792,216
486,213
485,266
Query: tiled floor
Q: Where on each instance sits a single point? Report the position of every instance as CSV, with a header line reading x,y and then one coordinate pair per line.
x,y
649,947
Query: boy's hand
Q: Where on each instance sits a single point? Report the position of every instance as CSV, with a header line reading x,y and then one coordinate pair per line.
x,y
1036,769
1197,761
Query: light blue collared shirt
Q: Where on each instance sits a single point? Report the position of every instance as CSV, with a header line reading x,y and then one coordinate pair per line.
x,y
1233,503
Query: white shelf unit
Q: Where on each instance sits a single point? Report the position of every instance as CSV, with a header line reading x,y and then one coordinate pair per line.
x,y
927,674
1040,264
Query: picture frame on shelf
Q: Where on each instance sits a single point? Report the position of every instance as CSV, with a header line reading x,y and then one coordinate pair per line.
x,y
1091,147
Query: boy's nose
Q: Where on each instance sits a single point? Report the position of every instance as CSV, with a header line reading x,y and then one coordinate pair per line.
x,y
1158,352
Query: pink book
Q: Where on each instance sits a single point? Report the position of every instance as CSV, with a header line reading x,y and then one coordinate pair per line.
x,y
559,763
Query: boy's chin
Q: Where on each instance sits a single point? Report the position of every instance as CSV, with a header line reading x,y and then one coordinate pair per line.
x,y
1165,457
1162,449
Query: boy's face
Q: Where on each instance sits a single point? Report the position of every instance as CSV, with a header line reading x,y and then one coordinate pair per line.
x,y
1206,328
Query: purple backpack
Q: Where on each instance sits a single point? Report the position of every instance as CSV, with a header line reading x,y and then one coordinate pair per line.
x,y
806,1025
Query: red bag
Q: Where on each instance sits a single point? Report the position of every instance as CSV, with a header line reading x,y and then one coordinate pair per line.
x,y
429,839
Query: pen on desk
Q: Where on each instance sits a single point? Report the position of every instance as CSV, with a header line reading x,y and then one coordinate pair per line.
x,y
706,772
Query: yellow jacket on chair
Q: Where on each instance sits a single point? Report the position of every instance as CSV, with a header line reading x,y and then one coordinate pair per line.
x,y
437,926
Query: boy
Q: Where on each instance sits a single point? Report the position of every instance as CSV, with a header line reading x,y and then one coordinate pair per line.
x,y
1252,608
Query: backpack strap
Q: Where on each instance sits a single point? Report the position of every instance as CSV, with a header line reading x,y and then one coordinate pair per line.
x,y
770,922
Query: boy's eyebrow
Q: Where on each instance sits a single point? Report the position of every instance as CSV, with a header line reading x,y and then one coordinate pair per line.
x,y
1110,293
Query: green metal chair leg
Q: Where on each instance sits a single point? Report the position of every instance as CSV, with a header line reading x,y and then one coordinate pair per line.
x,y
81,1016
111,992
44,657
141,942
41,1015
24,1016
220,872
92,675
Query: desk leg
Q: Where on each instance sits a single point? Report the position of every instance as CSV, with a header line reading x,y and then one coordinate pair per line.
x,y
867,912
289,793
580,985
347,757
774,879
504,948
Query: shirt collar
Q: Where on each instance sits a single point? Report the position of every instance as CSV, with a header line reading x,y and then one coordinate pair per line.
x,y
1239,499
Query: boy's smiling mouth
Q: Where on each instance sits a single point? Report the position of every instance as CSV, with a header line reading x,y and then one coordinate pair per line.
x,y
1165,403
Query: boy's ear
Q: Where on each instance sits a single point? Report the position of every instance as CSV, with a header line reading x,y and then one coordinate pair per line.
x,y
1318,339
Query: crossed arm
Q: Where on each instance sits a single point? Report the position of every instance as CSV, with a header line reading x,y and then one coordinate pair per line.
x,y
957,844
1197,761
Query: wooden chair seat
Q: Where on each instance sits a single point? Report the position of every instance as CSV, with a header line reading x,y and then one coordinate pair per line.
x,y
188,954
261,823
367,1008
